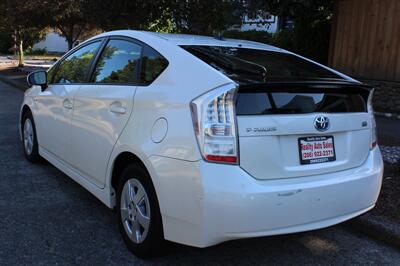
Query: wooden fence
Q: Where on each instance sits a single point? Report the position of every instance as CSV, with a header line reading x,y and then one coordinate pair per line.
x,y
365,39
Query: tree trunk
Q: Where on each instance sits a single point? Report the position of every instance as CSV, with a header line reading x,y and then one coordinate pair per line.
x,y
70,43
71,36
21,52
15,44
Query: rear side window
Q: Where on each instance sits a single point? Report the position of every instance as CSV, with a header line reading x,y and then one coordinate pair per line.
x,y
253,65
74,68
118,63
153,63
264,103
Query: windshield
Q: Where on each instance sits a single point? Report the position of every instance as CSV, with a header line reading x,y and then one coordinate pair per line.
x,y
252,65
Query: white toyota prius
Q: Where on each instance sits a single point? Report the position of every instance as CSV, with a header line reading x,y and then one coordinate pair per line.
x,y
199,140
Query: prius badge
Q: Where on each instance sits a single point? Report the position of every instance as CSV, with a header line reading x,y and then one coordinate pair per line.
x,y
321,123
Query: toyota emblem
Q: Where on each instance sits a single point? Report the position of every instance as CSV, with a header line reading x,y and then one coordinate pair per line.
x,y
321,123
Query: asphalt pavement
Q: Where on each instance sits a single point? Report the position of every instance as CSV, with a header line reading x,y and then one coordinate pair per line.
x,y
48,219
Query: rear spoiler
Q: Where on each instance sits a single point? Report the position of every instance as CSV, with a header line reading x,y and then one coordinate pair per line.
x,y
307,86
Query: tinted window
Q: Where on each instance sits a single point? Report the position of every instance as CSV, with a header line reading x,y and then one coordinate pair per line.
x,y
259,103
118,63
252,65
152,65
73,69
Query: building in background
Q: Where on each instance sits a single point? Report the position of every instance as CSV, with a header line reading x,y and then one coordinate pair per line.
x,y
263,22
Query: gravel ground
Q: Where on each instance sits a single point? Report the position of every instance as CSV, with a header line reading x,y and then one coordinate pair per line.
x,y
389,198
388,205
48,219
391,154
388,131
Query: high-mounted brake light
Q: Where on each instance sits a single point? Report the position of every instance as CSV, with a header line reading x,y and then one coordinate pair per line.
x,y
214,123
374,139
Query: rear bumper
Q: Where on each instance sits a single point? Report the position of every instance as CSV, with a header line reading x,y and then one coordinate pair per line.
x,y
203,204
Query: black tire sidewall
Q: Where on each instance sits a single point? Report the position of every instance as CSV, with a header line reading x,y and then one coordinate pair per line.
x,y
34,156
154,244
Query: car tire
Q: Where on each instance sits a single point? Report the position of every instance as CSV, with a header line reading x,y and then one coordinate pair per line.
x,y
136,201
29,138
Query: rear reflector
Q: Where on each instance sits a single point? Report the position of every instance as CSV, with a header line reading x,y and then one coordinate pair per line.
x,y
216,158
374,139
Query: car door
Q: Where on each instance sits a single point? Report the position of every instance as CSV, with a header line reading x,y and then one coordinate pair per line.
x,y
103,107
55,103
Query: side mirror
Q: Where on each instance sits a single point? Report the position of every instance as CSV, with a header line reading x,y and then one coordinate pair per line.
x,y
38,78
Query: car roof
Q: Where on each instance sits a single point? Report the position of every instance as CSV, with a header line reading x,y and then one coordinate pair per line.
x,y
190,39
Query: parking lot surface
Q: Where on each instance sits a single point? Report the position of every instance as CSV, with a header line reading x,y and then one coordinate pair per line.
x,y
48,219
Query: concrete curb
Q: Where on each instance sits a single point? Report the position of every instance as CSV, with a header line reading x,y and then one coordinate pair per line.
x,y
377,227
31,68
388,115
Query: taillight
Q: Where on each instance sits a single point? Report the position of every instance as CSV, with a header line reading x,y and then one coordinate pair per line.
x,y
214,123
374,140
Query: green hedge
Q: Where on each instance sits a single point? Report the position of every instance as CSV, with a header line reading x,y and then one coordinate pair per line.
x,y
30,51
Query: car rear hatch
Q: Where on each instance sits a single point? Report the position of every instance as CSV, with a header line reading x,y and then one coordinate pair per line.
x,y
294,129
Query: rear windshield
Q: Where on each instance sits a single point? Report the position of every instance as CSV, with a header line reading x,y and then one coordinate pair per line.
x,y
291,102
252,65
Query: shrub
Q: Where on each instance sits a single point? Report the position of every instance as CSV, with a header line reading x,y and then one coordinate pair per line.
x,y
31,51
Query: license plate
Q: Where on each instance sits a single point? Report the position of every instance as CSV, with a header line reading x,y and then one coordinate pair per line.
x,y
316,149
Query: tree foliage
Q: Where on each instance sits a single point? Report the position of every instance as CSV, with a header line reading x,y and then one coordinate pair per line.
x,y
125,14
312,24
189,16
206,16
70,17
311,10
78,19
24,20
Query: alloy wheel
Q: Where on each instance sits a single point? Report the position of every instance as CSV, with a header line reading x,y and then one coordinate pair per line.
x,y
28,136
135,210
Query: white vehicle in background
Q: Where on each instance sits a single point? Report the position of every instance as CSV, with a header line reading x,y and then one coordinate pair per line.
x,y
198,140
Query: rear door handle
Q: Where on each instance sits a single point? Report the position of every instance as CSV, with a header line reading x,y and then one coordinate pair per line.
x,y
118,108
67,104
